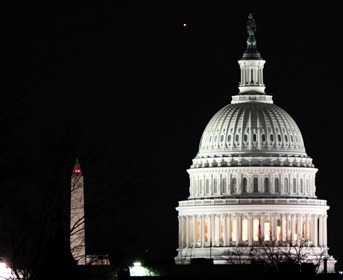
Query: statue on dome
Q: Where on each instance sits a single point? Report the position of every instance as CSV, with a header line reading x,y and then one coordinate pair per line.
x,y
251,25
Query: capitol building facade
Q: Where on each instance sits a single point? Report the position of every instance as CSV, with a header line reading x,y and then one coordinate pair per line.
x,y
252,185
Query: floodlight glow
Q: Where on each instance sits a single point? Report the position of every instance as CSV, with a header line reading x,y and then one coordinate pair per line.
x,y
5,271
139,270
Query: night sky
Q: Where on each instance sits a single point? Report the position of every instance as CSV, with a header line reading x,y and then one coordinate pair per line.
x,y
142,86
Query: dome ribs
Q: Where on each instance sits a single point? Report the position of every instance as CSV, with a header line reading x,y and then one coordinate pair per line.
x,y
251,128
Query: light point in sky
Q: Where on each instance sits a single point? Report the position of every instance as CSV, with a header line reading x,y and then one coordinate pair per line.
x,y
185,25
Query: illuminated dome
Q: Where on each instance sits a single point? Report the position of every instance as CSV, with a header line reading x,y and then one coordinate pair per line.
x,y
251,127
251,182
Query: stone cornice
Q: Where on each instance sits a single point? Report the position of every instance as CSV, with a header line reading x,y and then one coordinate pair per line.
x,y
248,160
252,201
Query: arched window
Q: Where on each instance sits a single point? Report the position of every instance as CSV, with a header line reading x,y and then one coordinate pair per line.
x,y
234,185
255,184
266,185
271,137
245,185
245,138
276,185
215,187
285,186
294,185
263,137
237,138
224,185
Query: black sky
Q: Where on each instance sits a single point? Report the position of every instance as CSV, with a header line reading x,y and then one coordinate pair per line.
x,y
144,86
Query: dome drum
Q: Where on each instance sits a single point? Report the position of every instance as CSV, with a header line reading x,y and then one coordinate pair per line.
x,y
252,182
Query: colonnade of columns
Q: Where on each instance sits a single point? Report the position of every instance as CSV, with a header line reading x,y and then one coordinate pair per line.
x,y
221,230
252,74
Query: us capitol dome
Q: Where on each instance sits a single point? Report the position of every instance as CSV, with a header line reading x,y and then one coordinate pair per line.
x,y
252,184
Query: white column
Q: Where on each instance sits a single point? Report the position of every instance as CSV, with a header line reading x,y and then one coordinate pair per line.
x,y
228,218
218,233
262,226
220,184
320,230
275,237
325,230
202,231
300,228
214,229
209,230
250,229
271,226
283,227
242,75
308,230
182,232
292,228
187,231
238,229
315,230
195,230
288,237
224,217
